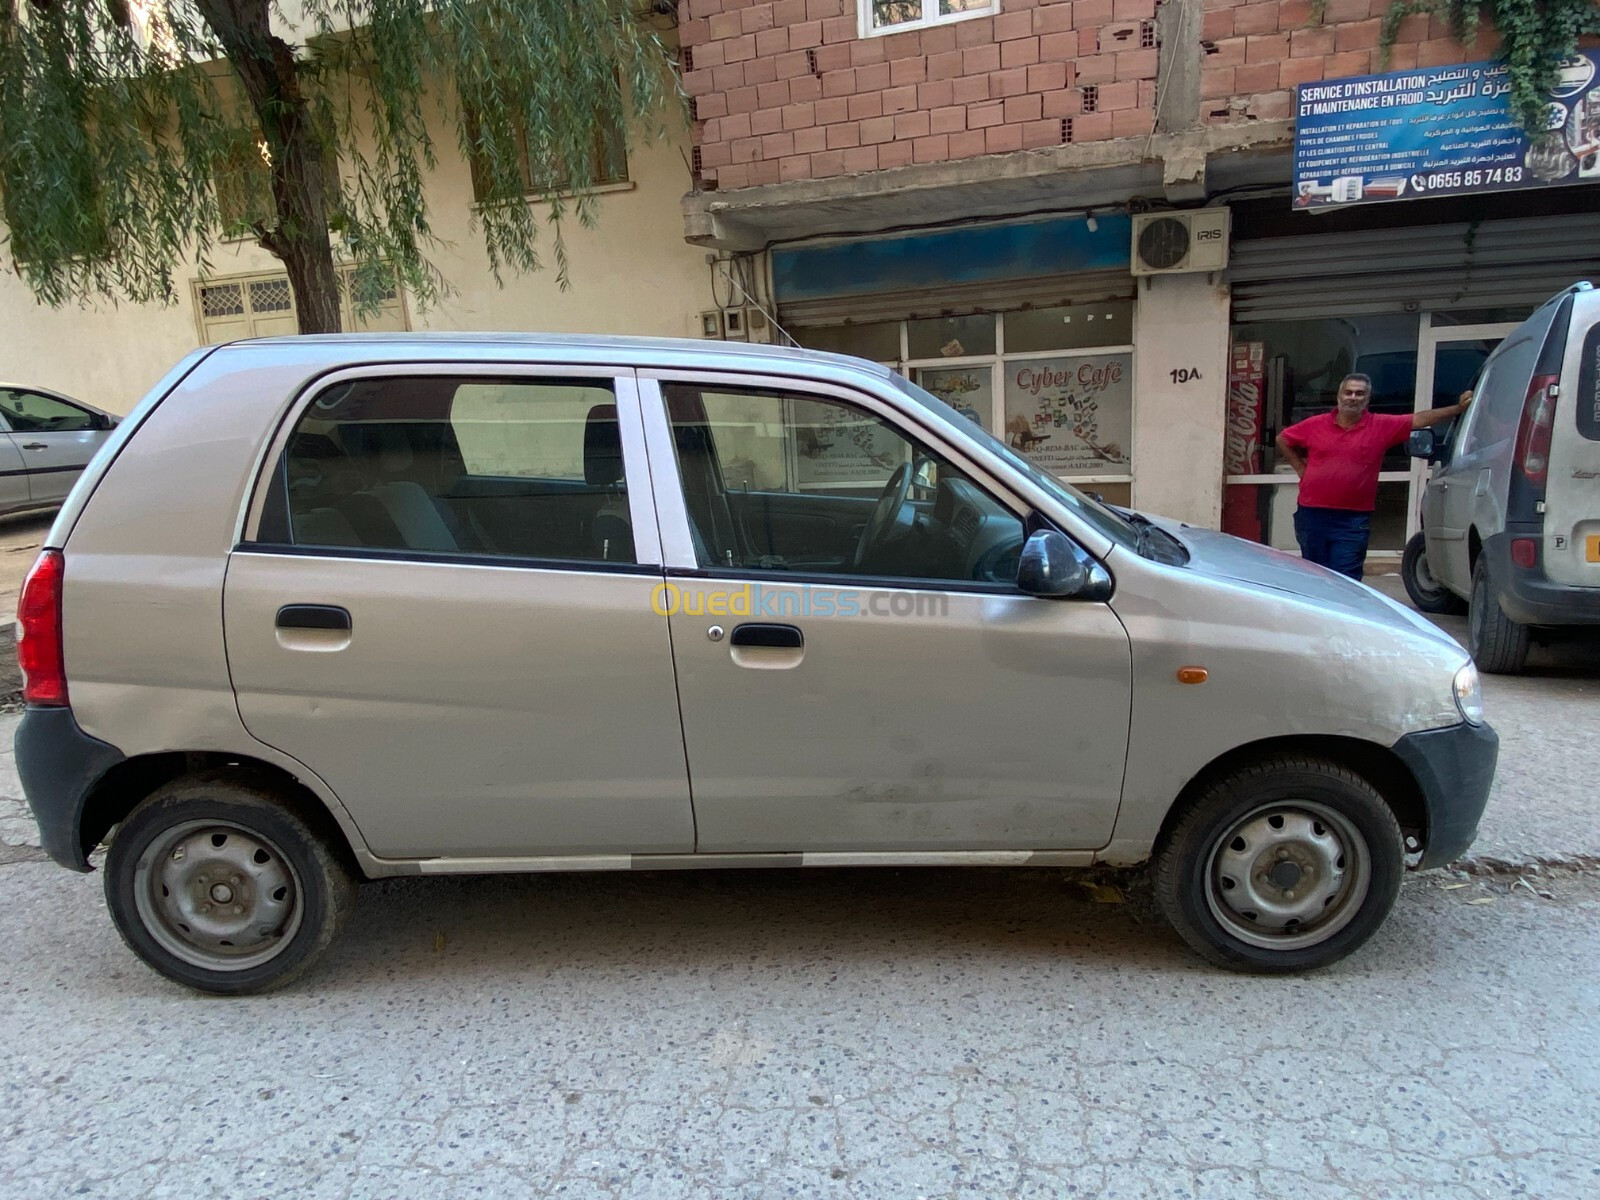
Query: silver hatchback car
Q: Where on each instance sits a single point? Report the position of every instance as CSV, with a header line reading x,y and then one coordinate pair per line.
x,y
431,605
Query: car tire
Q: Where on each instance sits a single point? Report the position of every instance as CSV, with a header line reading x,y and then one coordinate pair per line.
x,y
1286,865
226,886
1426,592
1497,643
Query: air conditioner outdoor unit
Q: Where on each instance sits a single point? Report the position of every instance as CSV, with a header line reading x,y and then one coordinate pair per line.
x,y
1170,243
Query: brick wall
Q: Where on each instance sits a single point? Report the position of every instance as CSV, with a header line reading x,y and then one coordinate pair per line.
x,y
1256,51
784,89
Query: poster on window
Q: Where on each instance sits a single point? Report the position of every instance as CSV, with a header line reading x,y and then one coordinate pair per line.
x,y
839,447
968,390
1073,414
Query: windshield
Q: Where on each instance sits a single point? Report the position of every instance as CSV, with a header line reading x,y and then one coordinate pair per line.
x,y
1094,514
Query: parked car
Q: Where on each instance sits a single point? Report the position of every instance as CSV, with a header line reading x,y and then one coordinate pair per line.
x,y
49,440
1511,511
432,605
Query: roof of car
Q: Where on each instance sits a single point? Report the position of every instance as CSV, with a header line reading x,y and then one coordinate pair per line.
x,y
628,349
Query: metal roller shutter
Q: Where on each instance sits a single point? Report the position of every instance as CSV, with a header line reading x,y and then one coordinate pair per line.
x,y
1487,264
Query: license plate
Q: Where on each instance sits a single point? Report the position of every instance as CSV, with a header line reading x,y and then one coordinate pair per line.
x,y
1591,547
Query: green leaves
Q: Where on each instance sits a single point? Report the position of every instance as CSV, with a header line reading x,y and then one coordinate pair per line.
x,y
121,142
1536,35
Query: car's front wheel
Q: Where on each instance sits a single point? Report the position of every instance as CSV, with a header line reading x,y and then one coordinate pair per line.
x,y
221,885
1286,865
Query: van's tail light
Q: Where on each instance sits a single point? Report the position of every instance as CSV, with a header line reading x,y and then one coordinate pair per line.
x,y
1524,552
39,652
1532,455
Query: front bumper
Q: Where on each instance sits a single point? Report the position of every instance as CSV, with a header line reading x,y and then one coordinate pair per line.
x,y
1527,596
59,764
1454,768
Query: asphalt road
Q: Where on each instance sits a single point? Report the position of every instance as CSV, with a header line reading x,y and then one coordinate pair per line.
x,y
851,1033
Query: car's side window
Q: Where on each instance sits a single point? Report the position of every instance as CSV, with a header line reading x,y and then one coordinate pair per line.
x,y
783,481
1497,404
30,412
447,465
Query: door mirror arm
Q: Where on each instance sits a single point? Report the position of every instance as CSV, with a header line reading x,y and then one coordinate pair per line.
x,y
1055,567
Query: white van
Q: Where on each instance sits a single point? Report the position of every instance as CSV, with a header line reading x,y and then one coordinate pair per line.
x,y
1511,515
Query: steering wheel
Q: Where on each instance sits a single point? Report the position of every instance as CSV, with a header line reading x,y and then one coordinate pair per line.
x,y
886,512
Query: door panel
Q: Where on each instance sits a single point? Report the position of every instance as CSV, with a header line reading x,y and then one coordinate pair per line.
x,y
987,722
397,623
469,710
955,713
1572,492
14,493
823,529
56,439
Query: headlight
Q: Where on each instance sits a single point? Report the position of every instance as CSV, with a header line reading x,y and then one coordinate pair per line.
x,y
1469,694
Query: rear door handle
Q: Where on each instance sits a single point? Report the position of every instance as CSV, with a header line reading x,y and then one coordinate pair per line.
x,y
35,446
768,637
313,616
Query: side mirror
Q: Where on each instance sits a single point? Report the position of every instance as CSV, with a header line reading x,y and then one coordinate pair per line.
x,y
1421,444
102,421
1052,565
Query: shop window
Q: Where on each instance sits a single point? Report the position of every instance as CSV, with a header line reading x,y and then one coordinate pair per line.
x,y
1071,414
876,340
1056,383
894,16
1073,327
951,337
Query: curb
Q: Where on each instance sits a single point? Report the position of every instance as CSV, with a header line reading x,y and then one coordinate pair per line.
x,y
1488,865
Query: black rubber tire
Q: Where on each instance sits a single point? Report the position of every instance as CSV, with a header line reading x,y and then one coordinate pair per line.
x,y
326,887
1497,643
1427,593
1181,859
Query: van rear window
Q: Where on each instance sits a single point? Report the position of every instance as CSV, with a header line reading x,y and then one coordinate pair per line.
x,y
1589,386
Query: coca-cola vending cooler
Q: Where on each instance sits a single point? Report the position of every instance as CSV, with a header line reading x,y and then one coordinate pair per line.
x,y
1241,455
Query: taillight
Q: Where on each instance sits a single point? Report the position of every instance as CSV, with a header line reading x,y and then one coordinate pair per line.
x,y
1524,552
1532,455
39,654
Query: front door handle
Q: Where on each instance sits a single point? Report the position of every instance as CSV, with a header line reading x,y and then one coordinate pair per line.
x,y
768,637
35,446
313,616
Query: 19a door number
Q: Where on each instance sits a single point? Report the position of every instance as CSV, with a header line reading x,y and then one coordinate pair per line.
x,y
1185,374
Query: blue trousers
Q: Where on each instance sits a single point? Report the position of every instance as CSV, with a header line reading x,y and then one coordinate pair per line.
x,y
1334,538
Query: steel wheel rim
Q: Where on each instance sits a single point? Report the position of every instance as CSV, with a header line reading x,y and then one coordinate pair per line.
x,y
218,896
1288,875
1426,583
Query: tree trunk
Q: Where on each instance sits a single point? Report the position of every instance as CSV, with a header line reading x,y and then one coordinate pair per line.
x,y
267,69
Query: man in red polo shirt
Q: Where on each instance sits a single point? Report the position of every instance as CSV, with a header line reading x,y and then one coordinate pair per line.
x,y
1337,456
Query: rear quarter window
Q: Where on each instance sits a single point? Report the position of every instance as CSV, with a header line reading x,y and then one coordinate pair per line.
x,y
1588,413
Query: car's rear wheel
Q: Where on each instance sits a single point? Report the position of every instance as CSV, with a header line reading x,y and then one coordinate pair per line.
x,y
222,886
1286,865
1497,643
1426,592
